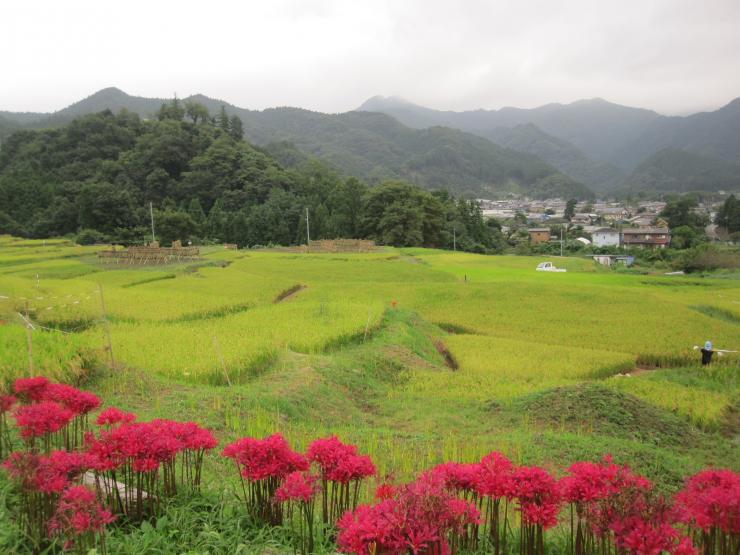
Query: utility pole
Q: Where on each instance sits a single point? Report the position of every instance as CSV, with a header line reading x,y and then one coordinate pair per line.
x,y
561,241
151,215
29,341
107,326
308,231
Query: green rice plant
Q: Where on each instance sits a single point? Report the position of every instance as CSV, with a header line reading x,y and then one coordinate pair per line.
x,y
64,357
244,342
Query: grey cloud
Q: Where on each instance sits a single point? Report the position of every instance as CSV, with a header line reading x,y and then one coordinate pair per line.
x,y
674,56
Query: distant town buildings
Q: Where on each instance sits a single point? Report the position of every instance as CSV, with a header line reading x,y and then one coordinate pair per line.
x,y
646,237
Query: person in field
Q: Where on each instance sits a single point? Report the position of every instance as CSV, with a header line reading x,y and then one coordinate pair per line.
x,y
706,353
708,350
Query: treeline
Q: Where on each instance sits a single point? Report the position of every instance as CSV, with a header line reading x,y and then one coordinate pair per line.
x,y
96,177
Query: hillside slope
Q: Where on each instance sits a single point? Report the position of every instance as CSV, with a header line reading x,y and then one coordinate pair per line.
x,y
590,139
677,170
581,123
372,147
561,154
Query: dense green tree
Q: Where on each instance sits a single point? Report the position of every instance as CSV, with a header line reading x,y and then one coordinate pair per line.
x,y
679,211
345,204
222,120
171,110
105,207
728,215
173,225
100,173
570,209
195,210
236,128
196,112
684,237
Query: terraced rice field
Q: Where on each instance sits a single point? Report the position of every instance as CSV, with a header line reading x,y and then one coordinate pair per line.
x,y
401,349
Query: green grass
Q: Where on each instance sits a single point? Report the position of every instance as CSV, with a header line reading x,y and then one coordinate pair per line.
x,y
356,351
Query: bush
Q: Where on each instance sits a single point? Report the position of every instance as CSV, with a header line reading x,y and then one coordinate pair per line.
x,y
90,237
707,258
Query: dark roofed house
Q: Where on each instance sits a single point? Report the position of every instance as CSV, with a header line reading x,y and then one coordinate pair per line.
x,y
539,235
647,237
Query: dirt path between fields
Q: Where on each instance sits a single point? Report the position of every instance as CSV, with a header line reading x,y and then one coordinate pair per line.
x,y
639,370
289,293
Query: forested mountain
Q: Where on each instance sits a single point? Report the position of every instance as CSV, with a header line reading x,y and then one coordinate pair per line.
x,y
598,128
596,136
96,176
7,128
714,134
372,147
681,171
559,153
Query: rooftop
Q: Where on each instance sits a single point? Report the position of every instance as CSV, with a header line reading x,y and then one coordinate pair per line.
x,y
647,231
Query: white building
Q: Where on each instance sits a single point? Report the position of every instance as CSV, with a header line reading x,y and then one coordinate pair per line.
x,y
605,237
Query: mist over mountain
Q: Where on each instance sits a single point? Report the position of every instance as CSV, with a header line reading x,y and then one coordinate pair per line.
x,y
371,146
680,171
597,127
556,149
563,155
592,140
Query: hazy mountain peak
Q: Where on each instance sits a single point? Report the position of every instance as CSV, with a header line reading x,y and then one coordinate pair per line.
x,y
107,91
378,103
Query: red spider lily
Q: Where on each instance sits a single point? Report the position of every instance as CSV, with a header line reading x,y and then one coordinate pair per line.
x,y
352,468
418,520
271,457
328,453
372,529
57,470
21,466
298,486
139,450
459,477
79,402
79,518
385,491
538,501
112,416
301,488
6,403
41,419
642,537
710,500
30,389
599,494
342,469
590,481
45,474
264,463
494,476
537,494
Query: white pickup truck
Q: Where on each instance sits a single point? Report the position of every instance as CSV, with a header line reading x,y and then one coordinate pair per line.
x,y
548,267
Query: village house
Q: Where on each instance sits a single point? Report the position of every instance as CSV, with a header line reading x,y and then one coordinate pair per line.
x,y
614,214
539,235
642,220
647,237
605,237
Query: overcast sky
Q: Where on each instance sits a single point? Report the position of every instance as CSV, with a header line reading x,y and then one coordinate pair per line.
x,y
674,56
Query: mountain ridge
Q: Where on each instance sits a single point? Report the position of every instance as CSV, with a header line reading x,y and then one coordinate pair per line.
x,y
371,146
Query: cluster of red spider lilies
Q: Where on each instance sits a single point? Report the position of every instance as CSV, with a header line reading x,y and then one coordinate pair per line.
x,y
75,478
